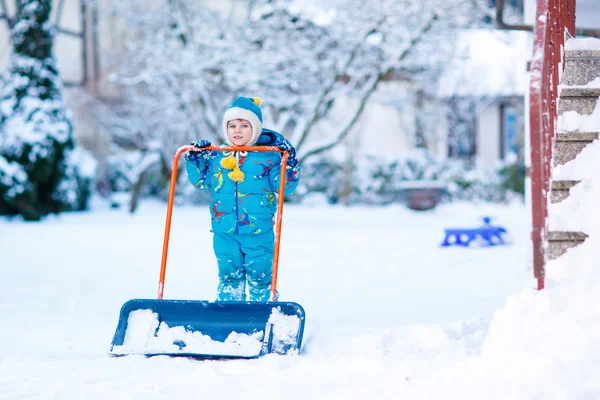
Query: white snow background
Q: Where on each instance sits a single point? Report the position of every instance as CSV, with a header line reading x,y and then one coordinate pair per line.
x,y
390,314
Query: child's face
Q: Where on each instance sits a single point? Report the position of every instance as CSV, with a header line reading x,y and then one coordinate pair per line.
x,y
239,131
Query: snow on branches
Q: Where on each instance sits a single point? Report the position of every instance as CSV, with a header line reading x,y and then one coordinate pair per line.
x,y
38,169
183,63
186,63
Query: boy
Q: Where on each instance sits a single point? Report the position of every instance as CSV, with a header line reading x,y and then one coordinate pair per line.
x,y
242,203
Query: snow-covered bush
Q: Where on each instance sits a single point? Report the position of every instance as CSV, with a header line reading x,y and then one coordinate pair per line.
x,y
36,131
475,183
375,180
366,180
13,185
513,174
136,172
320,176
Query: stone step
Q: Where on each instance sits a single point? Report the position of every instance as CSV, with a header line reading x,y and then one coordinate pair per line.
x,y
560,242
560,190
581,67
569,144
581,100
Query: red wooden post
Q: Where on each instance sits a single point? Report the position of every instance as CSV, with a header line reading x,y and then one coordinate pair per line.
x,y
554,20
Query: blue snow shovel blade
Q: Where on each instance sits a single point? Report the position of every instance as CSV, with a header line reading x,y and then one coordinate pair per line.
x,y
218,320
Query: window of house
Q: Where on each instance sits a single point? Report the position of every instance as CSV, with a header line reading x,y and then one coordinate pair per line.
x,y
462,128
508,131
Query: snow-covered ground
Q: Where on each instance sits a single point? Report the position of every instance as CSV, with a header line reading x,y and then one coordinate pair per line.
x,y
389,312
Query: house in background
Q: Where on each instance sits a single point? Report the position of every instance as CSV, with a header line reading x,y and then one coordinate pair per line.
x,y
478,113
484,88
76,42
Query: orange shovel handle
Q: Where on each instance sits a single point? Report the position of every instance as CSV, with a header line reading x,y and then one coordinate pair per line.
x,y
271,149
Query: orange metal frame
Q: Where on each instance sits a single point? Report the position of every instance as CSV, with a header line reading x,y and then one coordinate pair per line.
x,y
284,158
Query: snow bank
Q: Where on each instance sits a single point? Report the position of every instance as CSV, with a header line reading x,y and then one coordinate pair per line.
x,y
390,314
546,344
577,212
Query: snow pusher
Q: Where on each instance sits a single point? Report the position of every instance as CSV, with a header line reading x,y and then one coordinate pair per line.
x,y
204,329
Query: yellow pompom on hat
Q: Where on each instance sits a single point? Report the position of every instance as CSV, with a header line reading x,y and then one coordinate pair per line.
x,y
247,108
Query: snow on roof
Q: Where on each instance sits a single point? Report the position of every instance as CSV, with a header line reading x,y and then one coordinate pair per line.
x,y
488,63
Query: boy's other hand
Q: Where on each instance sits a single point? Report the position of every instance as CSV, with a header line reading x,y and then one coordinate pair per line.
x,y
193,155
285,145
200,144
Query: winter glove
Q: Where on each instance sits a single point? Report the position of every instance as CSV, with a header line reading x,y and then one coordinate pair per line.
x,y
193,155
272,138
285,145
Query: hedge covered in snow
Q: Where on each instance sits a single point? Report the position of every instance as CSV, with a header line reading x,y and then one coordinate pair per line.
x,y
373,180
367,180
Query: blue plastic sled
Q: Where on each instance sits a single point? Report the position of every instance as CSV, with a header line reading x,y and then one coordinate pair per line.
x,y
217,321
488,234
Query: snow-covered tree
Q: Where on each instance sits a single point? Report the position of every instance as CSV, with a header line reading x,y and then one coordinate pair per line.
x,y
41,169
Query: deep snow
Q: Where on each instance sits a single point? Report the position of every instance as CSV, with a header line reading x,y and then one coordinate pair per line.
x,y
389,312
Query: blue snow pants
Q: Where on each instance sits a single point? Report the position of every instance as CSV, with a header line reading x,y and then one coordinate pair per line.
x,y
244,257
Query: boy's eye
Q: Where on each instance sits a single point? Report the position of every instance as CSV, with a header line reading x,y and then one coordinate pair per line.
x,y
245,125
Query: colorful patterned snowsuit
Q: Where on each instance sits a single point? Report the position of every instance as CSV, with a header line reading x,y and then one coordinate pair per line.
x,y
242,219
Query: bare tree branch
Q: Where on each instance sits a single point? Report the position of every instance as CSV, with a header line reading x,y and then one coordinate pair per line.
x,y
184,106
372,86
179,15
344,132
327,90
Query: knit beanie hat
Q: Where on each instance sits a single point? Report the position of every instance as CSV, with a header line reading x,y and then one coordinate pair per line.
x,y
247,108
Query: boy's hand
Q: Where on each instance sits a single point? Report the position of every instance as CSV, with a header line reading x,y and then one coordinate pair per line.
x,y
285,145
193,155
200,144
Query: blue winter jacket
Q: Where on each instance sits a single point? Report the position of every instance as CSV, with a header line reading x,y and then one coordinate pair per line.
x,y
246,207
